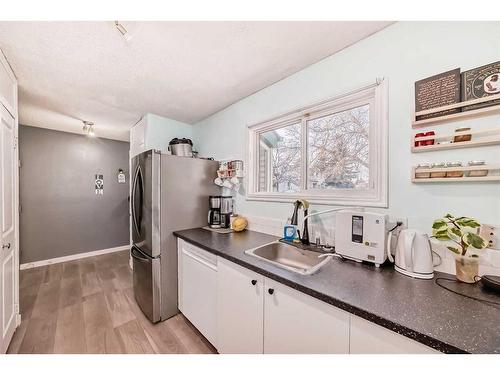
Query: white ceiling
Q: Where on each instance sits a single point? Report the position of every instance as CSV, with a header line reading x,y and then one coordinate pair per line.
x,y
73,71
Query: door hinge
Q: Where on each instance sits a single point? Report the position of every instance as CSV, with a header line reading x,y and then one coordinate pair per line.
x,y
15,143
19,163
16,307
20,208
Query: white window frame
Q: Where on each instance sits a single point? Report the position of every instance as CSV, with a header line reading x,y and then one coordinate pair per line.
x,y
376,96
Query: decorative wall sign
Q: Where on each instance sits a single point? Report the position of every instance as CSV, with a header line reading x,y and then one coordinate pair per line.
x,y
121,176
99,184
437,91
481,82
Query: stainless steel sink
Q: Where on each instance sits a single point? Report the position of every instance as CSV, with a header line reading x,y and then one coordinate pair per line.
x,y
289,257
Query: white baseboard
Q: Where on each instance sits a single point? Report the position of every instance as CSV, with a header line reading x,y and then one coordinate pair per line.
x,y
68,258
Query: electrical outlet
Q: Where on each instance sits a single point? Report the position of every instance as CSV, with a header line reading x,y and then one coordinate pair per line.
x,y
395,219
491,234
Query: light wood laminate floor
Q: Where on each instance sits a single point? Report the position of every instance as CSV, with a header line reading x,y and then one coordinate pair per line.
x,y
88,306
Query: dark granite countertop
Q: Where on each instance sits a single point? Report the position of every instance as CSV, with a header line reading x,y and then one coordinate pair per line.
x,y
418,309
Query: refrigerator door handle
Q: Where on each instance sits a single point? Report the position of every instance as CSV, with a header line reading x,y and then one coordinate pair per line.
x,y
137,176
137,256
132,201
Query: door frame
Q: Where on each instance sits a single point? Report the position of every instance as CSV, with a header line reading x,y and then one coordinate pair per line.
x,y
17,206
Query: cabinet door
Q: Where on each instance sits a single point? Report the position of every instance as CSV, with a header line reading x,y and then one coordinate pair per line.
x,y
297,323
198,288
137,138
239,309
370,338
8,87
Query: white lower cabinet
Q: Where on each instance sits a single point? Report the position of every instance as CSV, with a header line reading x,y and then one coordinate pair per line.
x,y
197,275
240,309
370,338
297,323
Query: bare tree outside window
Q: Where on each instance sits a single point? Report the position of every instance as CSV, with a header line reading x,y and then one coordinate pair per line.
x,y
333,152
338,150
279,159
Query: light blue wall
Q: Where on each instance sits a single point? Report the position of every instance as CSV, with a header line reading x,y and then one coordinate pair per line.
x,y
404,53
161,130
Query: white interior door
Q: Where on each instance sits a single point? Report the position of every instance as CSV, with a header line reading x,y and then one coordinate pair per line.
x,y
8,243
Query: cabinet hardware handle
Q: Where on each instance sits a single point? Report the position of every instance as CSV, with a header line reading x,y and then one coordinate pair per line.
x,y
6,246
270,290
254,282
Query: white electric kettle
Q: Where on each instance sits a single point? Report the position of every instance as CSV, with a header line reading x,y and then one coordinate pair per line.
x,y
413,254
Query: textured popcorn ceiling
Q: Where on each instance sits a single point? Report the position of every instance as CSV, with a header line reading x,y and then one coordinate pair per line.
x,y
71,71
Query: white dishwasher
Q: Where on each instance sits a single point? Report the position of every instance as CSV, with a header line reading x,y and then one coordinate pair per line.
x,y
198,288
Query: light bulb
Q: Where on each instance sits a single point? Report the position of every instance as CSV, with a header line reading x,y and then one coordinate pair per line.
x,y
91,131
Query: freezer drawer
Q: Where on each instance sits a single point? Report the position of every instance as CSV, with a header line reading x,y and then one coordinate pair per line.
x,y
146,278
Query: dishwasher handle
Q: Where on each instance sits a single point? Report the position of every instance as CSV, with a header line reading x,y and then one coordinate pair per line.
x,y
199,259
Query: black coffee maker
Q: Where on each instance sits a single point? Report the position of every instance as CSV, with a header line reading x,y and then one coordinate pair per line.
x,y
214,214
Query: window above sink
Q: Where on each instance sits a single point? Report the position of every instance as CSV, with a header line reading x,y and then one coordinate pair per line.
x,y
334,152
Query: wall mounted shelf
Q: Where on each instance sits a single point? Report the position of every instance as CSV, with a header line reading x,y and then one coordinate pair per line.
x,y
447,146
458,179
483,137
456,116
493,174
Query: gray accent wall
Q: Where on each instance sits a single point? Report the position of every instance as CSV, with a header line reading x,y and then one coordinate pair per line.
x,y
60,213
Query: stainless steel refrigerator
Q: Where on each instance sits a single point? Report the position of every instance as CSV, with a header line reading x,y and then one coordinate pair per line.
x,y
168,193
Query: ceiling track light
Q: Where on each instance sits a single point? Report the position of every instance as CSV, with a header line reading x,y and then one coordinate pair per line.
x,y
122,31
88,128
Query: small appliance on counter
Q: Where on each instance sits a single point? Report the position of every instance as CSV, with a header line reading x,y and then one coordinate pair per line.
x,y
181,147
413,255
491,283
214,213
226,210
361,236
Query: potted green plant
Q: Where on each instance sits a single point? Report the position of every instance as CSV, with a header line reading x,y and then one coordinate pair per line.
x,y
464,242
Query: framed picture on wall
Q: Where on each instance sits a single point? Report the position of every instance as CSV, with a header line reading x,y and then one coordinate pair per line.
x,y
437,91
479,83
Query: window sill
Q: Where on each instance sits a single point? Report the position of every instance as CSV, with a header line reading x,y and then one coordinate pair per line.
x,y
380,202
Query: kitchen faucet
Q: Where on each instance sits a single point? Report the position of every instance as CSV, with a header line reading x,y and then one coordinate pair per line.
x,y
301,203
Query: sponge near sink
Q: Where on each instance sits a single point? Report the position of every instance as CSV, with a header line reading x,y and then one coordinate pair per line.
x,y
289,232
